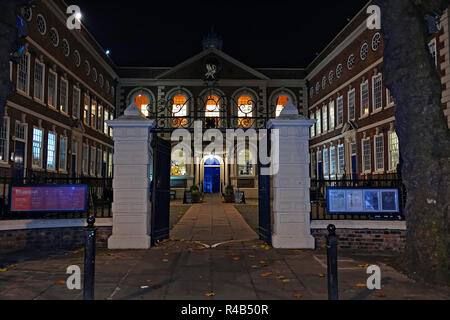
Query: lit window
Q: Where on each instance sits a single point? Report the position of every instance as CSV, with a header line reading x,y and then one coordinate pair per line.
x,y
281,103
179,110
244,161
332,114
366,155
63,153
318,123
341,159
333,160
245,111
51,151
340,111
313,127
105,125
377,92
100,118
393,150
379,153
94,113
142,102
37,147
365,98
433,50
212,111
324,119
325,162
39,77
110,164
87,104
178,163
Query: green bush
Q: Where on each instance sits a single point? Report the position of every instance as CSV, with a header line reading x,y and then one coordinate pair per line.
x,y
195,188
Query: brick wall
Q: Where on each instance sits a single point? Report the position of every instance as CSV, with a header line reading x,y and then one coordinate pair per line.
x,y
49,239
364,240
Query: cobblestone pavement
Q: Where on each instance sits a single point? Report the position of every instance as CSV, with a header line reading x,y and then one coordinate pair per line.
x,y
212,255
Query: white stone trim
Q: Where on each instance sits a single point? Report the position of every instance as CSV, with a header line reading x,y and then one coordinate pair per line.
x,y
357,224
50,223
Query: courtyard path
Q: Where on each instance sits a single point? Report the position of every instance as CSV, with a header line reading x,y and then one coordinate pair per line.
x,y
212,222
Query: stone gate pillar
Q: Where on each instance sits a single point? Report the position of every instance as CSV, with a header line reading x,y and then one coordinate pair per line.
x,y
291,185
131,183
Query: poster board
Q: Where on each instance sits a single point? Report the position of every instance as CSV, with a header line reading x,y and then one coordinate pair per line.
x,y
48,198
362,200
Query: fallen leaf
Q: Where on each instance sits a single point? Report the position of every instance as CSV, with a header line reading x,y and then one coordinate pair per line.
x,y
210,294
165,260
166,254
236,258
285,280
191,250
182,240
252,257
4,270
381,295
266,274
254,267
60,282
262,262
321,275
361,285
148,281
298,295
280,277
19,280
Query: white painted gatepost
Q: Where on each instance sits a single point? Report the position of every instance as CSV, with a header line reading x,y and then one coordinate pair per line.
x,y
131,183
291,185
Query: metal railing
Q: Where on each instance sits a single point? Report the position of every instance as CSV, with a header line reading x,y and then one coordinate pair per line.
x,y
100,194
319,197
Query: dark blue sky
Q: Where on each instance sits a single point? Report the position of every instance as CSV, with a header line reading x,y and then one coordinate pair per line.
x,y
258,33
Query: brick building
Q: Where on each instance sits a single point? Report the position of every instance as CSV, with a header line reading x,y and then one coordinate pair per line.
x,y
355,130
64,92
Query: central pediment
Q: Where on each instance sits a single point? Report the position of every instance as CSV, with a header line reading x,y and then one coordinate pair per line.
x,y
212,64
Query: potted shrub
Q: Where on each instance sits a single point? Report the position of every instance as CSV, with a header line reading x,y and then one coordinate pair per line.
x,y
196,196
229,194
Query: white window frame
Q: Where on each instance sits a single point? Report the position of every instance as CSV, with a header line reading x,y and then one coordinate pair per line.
x,y
374,97
105,125
375,153
85,159
76,111
326,164
333,161
37,62
92,161
54,151
391,167
41,153
389,102
99,162
63,167
313,127
55,95
349,94
87,116
66,100
319,122
324,118
340,110
332,115
363,167
6,124
27,89
341,159
433,44
363,84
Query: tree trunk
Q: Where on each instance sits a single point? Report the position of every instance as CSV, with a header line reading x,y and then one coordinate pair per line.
x,y
424,137
8,41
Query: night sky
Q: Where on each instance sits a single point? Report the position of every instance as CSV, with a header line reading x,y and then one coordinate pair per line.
x,y
164,33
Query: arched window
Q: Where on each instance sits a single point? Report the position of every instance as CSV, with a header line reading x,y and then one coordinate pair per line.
x,y
245,111
212,110
281,103
179,111
142,101
179,163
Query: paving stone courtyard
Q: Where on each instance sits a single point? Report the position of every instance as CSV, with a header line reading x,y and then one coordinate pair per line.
x,y
212,255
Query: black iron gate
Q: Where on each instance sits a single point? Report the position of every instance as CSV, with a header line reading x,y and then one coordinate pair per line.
x,y
264,203
160,189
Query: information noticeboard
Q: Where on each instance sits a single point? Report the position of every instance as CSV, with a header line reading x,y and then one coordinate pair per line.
x,y
49,198
362,200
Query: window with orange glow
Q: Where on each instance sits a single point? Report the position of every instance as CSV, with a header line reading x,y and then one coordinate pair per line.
x,y
245,111
281,103
142,102
179,110
212,107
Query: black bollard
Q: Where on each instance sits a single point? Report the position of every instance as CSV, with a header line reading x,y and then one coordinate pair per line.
x,y
332,258
89,259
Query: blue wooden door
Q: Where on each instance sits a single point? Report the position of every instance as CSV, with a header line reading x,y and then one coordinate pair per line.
x,y
212,180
